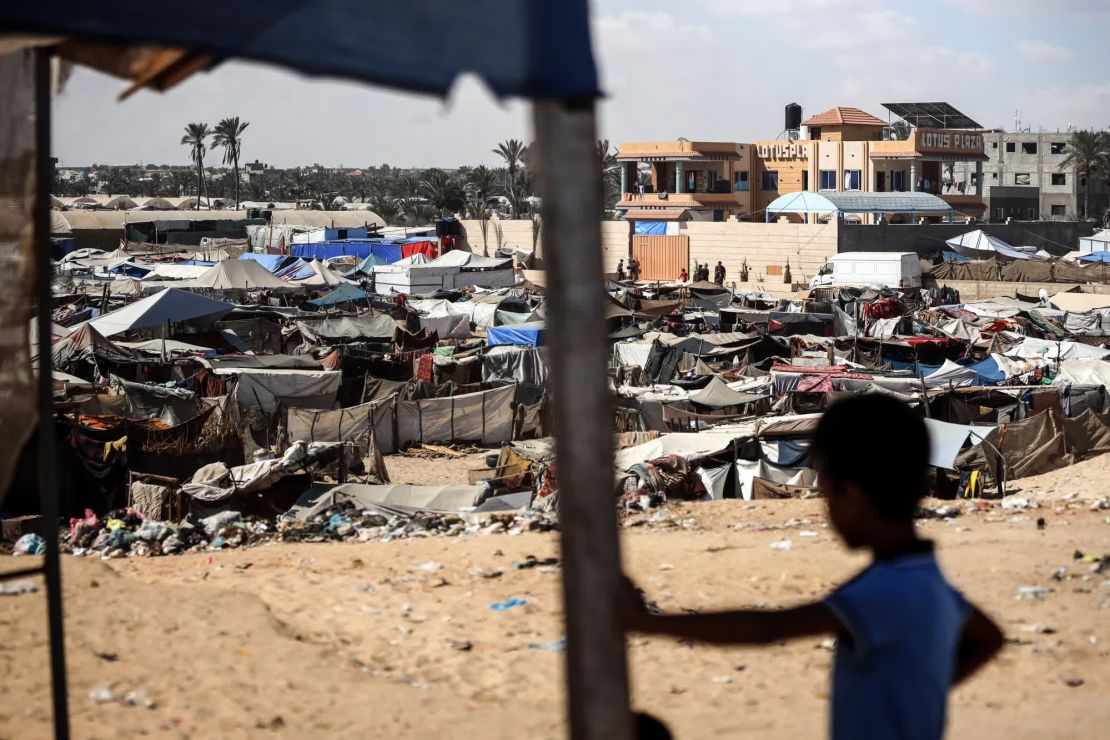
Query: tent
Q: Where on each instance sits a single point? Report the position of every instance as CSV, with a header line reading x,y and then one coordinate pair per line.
x,y
239,275
348,329
343,294
529,334
272,262
320,276
469,260
166,306
982,245
85,343
1095,257
716,394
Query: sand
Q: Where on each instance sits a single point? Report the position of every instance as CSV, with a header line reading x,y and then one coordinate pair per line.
x,y
397,639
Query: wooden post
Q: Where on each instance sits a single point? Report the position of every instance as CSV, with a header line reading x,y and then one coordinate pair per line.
x,y
569,183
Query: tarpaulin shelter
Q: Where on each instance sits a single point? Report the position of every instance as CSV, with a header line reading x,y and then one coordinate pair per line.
x,y
239,275
170,305
979,243
348,329
528,334
343,294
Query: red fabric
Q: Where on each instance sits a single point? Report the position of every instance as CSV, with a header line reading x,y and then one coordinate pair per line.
x,y
331,360
914,341
428,249
816,384
884,308
424,367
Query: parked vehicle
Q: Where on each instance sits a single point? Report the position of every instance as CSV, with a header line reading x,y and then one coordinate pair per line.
x,y
865,269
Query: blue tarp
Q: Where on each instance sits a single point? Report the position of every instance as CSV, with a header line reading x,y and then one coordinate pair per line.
x,y
543,49
270,261
1103,257
986,371
296,270
388,251
651,228
527,335
344,293
366,267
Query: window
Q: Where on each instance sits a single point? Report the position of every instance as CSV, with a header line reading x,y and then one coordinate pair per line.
x,y
691,181
342,234
1028,147
827,179
740,181
994,175
1057,210
1030,214
999,214
770,180
974,178
1057,147
994,145
805,179
711,181
898,181
718,214
1021,178
851,179
1009,146
1059,178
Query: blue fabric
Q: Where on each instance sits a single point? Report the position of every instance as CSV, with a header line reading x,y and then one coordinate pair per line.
x,y
270,261
650,228
528,335
896,658
342,294
388,251
987,372
1103,257
543,49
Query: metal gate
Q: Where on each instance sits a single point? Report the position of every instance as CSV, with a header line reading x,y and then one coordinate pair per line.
x,y
661,257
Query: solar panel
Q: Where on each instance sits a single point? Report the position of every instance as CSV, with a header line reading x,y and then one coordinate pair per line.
x,y
931,115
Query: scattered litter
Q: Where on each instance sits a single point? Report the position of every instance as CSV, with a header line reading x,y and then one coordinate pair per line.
x,y
485,572
666,566
1017,503
555,646
1060,573
1033,592
101,694
531,561
722,679
429,567
829,643
29,544
782,545
807,533
463,646
500,606
1038,629
16,588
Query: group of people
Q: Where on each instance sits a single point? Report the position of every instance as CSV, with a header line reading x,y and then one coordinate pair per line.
x,y
632,273
701,273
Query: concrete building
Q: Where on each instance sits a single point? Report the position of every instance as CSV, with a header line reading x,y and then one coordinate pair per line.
x,y
1023,167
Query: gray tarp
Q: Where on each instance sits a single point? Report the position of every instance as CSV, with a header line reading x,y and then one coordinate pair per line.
x,y
747,470
293,388
485,417
717,395
524,365
172,406
389,499
239,275
348,328
345,425
261,362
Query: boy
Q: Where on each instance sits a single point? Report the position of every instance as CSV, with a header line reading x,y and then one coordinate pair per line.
x,y
904,635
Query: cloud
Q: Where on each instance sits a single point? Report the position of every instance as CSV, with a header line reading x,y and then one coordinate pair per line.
x,y
1038,51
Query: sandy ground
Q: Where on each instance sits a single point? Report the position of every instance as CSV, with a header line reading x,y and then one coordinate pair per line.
x,y
397,639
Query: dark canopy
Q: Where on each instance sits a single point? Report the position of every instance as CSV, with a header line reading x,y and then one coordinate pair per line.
x,y
541,49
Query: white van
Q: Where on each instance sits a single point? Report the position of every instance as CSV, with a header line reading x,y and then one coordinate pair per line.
x,y
866,269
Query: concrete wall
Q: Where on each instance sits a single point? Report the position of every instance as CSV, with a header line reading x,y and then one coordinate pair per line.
x,y
928,238
519,233
805,247
972,290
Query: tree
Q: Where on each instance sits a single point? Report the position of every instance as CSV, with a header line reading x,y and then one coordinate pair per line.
x,y
444,193
480,183
229,135
900,130
194,138
514,152
256,190
1088,154
610,175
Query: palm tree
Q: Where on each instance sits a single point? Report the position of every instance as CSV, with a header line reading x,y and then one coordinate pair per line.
x,y
899,130
194,138
610,175
256,190
229,134
1088,154
514,152
444,193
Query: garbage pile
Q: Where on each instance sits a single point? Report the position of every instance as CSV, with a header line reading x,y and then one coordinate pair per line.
x,y
127,533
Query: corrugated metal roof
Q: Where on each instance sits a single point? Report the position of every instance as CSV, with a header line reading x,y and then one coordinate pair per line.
x,y
843,117
858,201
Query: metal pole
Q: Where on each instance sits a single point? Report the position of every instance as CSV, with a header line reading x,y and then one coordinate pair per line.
x,y
47,462
569,183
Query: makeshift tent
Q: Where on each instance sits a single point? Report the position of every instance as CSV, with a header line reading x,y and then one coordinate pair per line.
x,y
239,275
526,335
171,271
272,262
169,305
979,243
1029,447
389,499
485,417
716,394
343,294
348,329
319,276
1083,372
946,440
352,424
1081,302
84,344
459,258
265,389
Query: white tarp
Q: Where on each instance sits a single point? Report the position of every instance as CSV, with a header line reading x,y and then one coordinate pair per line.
x,y
1083,372
167,306
264,388
946,440
689,445
982,245
239,275
485,417
631,354
1031,348
714,481
951,375
454,326
746,470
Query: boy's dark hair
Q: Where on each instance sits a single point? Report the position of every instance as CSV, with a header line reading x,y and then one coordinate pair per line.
x,y
880,444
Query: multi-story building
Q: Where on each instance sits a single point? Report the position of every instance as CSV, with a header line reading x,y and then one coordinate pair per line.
x,y
839,150
1023,179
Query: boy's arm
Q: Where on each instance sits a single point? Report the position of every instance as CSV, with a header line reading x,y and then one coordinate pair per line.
x,y
748,626
981,640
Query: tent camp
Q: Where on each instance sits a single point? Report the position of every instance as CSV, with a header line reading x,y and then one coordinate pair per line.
x,y
319,276
528,335
239,275
982,245
166,306
343,294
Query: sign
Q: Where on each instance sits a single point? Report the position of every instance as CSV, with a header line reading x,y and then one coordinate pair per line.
x,y
949,142
785,150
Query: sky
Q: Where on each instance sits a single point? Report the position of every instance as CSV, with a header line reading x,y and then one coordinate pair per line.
x,y
719,70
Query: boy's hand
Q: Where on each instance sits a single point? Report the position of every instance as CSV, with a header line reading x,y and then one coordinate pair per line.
x,y
631,606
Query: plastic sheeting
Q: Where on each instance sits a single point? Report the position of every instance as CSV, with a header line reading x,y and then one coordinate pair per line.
x,y
1083,372
348,329
343,294
239,275
1033,348
520,364
527,335
351,424
747,470
485,417
716,394
265,389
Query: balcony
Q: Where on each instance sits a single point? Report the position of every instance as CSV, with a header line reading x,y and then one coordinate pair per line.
x,y
683,200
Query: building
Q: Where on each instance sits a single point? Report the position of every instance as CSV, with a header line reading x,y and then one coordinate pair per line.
x,y
842,149
685,180
1023,179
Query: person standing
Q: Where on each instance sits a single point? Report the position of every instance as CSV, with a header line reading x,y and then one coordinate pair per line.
x,y
620,271
719,273
633,269
683,276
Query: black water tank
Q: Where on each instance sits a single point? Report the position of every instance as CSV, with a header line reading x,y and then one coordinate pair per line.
x,y
793,117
